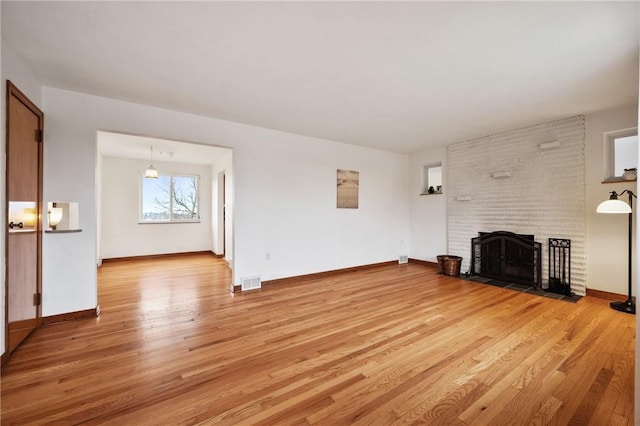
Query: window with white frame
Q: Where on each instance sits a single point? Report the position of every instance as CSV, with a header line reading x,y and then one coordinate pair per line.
x,y
169,198
431,179
621,149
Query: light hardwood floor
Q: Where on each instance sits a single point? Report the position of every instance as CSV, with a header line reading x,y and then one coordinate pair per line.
x,y
390,345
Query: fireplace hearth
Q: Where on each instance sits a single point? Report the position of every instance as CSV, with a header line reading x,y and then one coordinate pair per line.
x,y
506,256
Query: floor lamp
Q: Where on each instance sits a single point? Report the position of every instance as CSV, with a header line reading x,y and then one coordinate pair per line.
x,y
615,206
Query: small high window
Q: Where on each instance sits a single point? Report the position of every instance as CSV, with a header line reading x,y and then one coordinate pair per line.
x,y
621,153
432,179
169,198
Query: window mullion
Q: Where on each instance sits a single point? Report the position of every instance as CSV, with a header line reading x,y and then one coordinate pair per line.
x,y
171,198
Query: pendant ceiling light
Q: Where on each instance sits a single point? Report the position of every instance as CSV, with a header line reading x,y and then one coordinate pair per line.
x,y
151,172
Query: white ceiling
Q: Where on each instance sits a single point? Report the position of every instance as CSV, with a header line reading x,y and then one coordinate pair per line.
x,y
400,76
139,147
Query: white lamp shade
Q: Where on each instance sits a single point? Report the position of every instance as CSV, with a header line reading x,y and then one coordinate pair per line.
x,y
55,216
614,207
151,172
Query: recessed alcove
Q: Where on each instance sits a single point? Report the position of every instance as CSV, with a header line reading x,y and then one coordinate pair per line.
x,y
62,217
23,216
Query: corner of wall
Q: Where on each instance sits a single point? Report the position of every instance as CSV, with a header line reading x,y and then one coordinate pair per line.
x,y
427,213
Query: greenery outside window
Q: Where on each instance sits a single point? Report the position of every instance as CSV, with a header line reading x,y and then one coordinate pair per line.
x,y
169,198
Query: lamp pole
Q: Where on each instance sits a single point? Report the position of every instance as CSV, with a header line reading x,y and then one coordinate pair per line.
x,y
628,305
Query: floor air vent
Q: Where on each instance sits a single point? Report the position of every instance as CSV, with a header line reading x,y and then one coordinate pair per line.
x,y
251,283
403,259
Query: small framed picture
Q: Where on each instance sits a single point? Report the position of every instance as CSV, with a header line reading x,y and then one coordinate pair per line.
x,y
348,182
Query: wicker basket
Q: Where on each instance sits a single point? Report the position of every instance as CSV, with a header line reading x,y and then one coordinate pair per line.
x,y
449,265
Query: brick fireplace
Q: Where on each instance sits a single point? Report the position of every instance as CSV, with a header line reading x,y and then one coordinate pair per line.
x,y
520,182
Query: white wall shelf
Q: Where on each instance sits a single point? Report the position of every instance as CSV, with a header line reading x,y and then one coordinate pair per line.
x,y
61,231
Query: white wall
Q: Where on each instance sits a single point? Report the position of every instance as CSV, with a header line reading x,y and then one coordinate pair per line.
x,y
606,234
123,236
284,193
11,68
293,214
99,208
69,274
224,166
428,218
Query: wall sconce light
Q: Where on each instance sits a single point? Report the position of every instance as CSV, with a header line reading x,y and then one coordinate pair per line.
x,y
615,206
54,216
151,172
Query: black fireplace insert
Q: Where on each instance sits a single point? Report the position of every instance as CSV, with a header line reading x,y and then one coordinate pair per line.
x,y
506,256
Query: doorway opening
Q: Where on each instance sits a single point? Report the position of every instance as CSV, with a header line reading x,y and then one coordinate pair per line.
x,y
186,209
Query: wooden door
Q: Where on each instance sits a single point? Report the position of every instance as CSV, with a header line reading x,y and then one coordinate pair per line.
x,y
24,217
